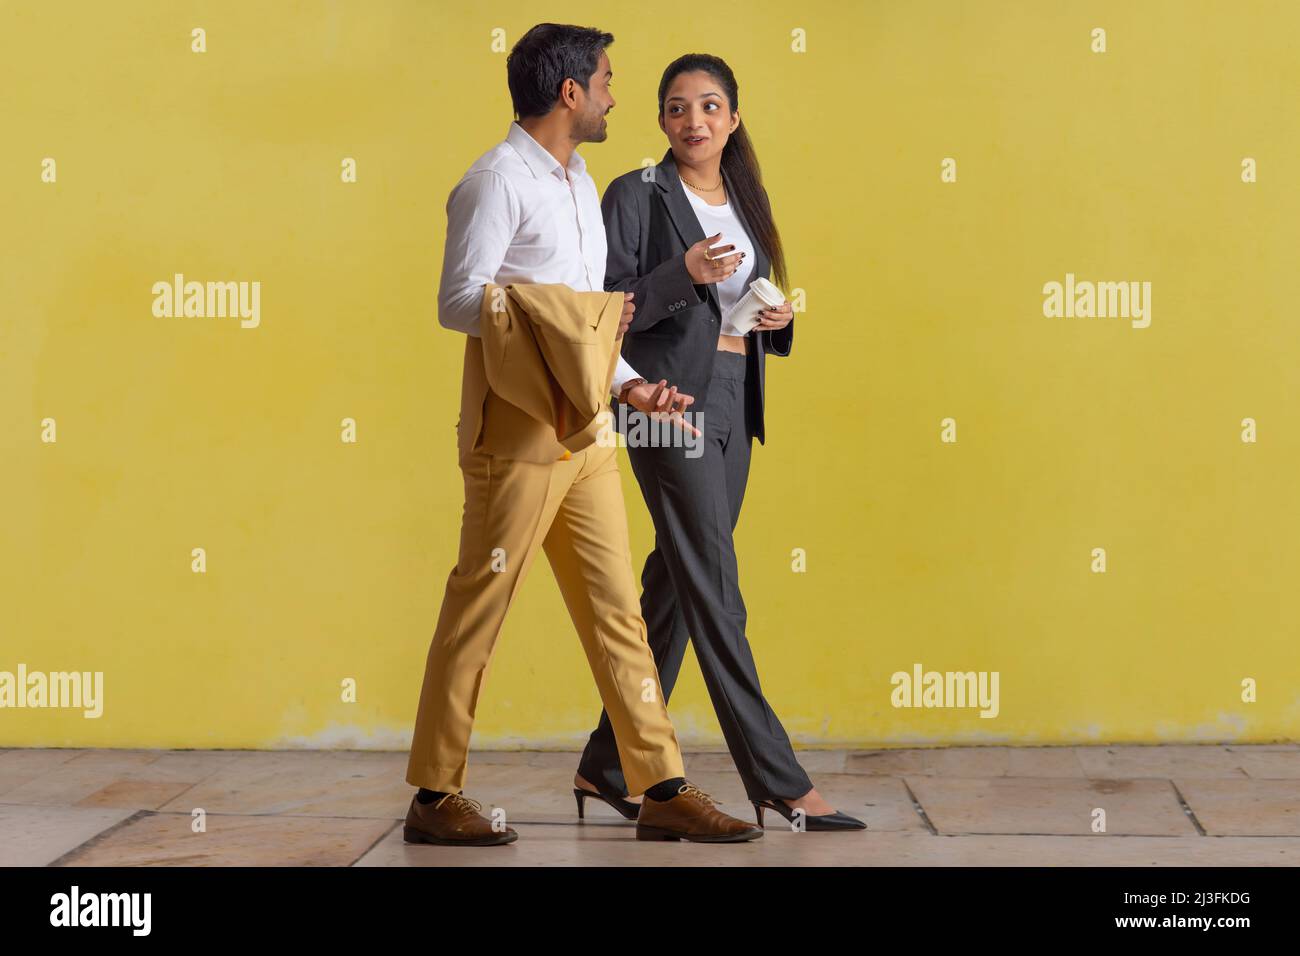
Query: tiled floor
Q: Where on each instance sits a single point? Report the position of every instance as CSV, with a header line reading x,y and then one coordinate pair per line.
x,y
1179,805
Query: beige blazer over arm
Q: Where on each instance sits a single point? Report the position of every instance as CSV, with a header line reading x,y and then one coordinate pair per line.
x,y
551,352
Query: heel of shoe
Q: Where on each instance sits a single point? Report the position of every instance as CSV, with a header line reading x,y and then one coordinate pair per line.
x,y
758,812
581,797
412,835
654,833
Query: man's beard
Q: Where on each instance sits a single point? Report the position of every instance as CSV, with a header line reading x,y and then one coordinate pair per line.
x,y
593,130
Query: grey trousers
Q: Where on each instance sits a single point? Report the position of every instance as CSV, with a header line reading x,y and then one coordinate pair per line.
x,y
690,587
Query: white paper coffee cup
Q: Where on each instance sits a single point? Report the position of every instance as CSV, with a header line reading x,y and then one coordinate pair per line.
x,y
742,317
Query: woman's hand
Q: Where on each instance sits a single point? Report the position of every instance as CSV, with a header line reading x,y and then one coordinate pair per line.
x,y
769,320
708,268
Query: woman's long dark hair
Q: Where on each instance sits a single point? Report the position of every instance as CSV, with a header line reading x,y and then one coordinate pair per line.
x,y
738,159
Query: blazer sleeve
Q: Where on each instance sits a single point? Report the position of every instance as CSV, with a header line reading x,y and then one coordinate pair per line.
x,y
779,342
667,284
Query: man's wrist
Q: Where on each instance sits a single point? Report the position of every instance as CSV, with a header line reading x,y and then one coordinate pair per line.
x,y
626,387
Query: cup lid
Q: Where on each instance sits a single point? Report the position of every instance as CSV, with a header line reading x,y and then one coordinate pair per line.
x,y
767,291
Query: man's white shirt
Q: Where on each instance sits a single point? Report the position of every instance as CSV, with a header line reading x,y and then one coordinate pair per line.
x,y
516,217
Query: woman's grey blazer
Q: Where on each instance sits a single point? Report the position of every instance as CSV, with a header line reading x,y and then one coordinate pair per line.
x,y
649,225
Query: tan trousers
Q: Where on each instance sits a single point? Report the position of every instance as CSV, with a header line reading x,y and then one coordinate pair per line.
x,y
574,509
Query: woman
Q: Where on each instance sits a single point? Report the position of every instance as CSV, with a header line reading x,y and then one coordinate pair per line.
x,y
687,241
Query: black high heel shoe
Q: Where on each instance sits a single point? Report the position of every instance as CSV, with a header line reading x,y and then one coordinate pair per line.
x,y
824,821
625,807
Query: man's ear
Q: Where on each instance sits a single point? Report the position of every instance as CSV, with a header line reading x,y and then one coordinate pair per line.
x,y
569,90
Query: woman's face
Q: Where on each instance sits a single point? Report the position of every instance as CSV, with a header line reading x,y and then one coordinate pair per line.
x,y
697,116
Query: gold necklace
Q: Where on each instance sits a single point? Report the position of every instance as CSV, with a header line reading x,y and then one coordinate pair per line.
x,y
701,188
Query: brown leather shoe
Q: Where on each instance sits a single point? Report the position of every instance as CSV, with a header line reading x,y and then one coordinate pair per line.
x,y
692,816
453,820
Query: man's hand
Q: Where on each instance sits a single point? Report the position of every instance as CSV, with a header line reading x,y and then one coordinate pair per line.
x,y
658,400
769,320
626,319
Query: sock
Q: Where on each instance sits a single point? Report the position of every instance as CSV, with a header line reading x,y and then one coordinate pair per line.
x,y
428,796
666,790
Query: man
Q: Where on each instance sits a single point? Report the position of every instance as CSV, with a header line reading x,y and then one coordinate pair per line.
x,y
527,212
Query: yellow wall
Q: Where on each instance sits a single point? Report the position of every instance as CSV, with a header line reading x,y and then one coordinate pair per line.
x,y
326,560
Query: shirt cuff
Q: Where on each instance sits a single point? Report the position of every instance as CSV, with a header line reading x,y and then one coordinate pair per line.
x,y
622,373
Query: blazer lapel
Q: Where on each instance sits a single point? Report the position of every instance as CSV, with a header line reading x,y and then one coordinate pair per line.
x,y
683,216
688,224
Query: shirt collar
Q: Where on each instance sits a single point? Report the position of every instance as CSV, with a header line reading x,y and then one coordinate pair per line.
x,y
538,158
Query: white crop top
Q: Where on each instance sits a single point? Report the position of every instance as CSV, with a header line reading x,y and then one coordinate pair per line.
x,y
714,219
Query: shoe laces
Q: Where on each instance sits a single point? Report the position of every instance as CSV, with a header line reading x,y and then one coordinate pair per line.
x,y
460,802
689,789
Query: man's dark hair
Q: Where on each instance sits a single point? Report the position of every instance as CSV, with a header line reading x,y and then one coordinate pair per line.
x,y
544,58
